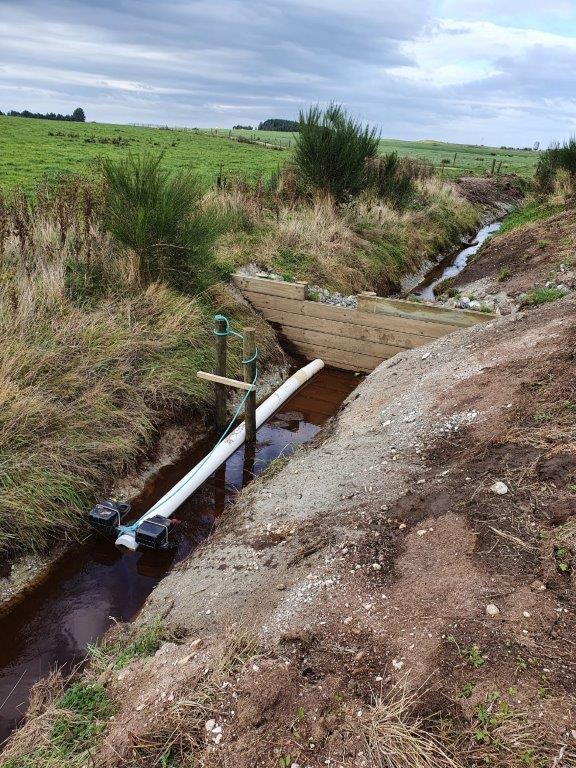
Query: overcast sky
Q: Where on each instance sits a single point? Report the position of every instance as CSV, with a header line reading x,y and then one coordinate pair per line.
x,y
484,71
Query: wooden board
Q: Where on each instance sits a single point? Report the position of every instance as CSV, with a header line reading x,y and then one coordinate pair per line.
x,y
225,380
360,332
413,310
319,310
334,341
351,339
271,287
348,361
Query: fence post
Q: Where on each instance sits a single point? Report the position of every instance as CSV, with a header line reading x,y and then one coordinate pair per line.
x,y
221,340
249,347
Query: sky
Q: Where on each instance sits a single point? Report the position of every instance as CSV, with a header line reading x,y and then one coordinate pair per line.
x,y
499,72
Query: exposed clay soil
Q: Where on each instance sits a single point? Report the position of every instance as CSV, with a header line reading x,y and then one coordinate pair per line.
x,y
368,562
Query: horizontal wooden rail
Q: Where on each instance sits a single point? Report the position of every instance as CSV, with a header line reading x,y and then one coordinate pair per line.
x,y
224,380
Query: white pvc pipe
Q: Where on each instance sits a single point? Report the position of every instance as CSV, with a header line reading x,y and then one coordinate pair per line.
x,y
170,502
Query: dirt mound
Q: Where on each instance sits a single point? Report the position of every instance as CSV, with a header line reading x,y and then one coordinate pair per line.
x,y
501,193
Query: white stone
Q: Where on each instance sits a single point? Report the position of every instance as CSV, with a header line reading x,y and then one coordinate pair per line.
x,y
499,487
492,609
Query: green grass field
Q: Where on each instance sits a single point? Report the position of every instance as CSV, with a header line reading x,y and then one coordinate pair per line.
x,y
32,149
457,159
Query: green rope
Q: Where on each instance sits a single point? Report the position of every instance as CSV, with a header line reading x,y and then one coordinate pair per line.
x,y
228,332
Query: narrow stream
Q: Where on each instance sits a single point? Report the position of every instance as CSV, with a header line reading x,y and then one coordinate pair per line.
x,y
96,583
453,265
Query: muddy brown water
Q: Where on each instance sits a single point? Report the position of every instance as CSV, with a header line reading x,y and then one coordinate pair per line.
x,y
97,584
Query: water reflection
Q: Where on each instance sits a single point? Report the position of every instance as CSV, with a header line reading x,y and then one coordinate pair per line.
x,y
97,583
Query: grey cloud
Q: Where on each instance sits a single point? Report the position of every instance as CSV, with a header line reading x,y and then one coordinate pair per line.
x,y
217,62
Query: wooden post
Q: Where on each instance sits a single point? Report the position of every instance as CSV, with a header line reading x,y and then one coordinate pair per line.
x,y
221,371
249,346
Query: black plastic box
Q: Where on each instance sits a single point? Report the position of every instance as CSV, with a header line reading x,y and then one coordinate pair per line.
x,y
107,515
154,533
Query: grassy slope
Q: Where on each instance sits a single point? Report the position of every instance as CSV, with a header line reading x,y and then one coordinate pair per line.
x,y
470,159
31,149
92,366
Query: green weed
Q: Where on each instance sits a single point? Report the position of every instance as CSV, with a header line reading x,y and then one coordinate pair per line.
x,y
544,295
118,654
533,211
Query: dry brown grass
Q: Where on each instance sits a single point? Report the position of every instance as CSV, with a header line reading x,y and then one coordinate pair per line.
x,y
92,364
395,736
177,736
364,245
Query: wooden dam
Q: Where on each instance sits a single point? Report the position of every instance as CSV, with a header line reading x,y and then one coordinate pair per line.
x,y
350,339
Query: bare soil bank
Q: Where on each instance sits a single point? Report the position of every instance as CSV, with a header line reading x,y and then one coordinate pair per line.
x,y
371,559
522,258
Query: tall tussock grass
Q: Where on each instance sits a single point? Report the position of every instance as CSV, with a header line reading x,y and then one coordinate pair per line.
x,y
364,244
92,362
160,216
556,160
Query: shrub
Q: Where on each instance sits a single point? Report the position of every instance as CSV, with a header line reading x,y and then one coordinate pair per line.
x,y
392,179
557,157
331,151
159,216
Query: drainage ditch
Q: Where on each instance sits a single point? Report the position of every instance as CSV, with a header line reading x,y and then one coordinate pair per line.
x,y
96,584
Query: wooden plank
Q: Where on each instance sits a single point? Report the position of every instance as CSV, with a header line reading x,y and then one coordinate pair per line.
x,y
225,380
271,287
288,320
463,318
319,310
350,361
334,341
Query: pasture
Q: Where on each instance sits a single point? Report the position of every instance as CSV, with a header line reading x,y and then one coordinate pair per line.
x,y
33,149
455,159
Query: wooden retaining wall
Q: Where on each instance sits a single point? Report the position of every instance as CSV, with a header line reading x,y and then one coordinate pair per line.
x,y
350,339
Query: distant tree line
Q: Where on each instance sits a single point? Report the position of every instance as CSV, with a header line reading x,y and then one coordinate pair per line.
x,y
242,128
77,116
278,124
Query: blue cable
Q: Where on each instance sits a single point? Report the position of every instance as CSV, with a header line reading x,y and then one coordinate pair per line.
x,y
228,332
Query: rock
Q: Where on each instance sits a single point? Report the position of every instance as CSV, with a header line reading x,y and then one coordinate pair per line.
x,y
537,585
475,305
209,724
376,567
499,487
526,614
492,610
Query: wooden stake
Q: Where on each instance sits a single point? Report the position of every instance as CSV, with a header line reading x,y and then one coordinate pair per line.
x,y
249,335
221,371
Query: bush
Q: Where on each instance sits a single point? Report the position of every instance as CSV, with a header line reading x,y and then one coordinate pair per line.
x,y
331,150
159,216
557,157
393,179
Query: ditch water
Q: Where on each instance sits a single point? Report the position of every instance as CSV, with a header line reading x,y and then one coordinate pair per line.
x,y
95,584
452,266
